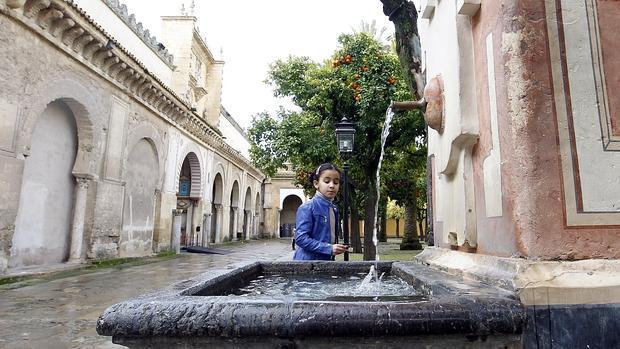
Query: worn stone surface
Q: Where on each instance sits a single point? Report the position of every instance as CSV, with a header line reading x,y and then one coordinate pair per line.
x,y
63,313
454,307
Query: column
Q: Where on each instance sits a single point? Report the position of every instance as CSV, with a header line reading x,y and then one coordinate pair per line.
x,y
206,229
234,223
247,219
219,217
77,228
176,230
189,226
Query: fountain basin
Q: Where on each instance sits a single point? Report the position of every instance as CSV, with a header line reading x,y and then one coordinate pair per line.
x,y
206,308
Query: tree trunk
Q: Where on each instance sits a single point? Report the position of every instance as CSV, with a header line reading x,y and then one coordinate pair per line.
x,y
356,240
405,17
369,222
383,231
410,238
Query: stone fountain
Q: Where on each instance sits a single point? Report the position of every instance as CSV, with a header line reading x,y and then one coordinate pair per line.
x,y
209,310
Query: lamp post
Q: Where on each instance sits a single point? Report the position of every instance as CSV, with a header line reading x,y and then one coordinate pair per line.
x,y
345,137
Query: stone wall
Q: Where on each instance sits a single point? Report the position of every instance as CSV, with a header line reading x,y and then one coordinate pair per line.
x,y
133,133
526,164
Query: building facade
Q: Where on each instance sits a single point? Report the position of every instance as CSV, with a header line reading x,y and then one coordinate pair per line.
x,y
109,139
524,156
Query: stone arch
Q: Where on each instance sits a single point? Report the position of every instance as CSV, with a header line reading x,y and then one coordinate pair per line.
x,y
234,207
284,193
142,179
247,213
218,169
290,204
44,222
247,203
216,207
192,154
234,194
217,193
76,97
234,177
257,203
150,134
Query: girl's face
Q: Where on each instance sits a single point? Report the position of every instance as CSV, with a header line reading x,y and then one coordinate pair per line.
x,y
328,183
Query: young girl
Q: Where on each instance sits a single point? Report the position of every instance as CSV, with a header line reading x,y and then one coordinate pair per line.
x,y
317,219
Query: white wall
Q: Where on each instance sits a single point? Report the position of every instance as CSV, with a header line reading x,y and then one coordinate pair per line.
x,y
116,27
43,224
234,136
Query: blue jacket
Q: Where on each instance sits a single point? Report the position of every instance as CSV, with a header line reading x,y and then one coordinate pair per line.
x,y
312,234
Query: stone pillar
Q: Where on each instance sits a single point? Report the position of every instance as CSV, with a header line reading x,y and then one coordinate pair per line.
x,y
189,226
256,224
77,229
197,220
206,229
247,223
176,230
225,223
219,218
234,223
156,221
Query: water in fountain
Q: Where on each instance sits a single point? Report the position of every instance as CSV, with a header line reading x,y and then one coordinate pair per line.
x,y
389,114
328,287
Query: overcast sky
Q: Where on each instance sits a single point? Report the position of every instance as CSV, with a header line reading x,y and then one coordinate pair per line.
x,y
254,33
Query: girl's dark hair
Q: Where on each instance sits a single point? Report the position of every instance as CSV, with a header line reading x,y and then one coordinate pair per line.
x,y
316,174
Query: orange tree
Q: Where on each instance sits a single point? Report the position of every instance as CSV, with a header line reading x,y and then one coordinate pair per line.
x,y
358,82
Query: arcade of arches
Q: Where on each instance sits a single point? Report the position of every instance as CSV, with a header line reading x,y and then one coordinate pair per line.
x,y
99,159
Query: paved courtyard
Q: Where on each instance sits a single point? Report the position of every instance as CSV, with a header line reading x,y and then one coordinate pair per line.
x,y
63,313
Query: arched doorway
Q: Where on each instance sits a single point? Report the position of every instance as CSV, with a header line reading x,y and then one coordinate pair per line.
x,y
139,203
216,207
247,214
188,195
43,225
287,216
234,206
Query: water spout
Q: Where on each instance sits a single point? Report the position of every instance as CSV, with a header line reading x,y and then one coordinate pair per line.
x,y
389,114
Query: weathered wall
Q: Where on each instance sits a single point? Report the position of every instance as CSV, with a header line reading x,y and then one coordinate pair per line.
x,y
111,19
544,166
44,217
141,180
132,136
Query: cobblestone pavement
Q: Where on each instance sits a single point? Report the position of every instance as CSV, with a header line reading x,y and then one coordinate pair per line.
x,y
63,313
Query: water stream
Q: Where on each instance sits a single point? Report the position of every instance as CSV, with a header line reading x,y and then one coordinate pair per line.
x,y
389,114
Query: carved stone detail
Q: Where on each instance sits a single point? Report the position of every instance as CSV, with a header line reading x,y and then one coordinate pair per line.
x,y
100,56
433,94
91,48
108,63
15,4
70,35
81,41
48,16
61,25
32,7
121,11
62,19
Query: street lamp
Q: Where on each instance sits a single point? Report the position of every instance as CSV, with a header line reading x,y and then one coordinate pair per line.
x,y
345,137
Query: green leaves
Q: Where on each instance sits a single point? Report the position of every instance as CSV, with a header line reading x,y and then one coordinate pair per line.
x,y
358,81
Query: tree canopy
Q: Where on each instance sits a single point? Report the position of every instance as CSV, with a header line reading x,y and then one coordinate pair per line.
x,y
358,82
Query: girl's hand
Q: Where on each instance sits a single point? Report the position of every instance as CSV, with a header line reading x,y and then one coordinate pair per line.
x,y
338,249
